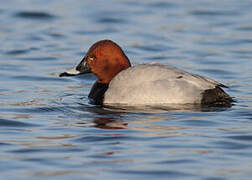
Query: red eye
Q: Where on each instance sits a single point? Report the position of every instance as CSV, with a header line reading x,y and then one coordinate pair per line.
x,y
99,54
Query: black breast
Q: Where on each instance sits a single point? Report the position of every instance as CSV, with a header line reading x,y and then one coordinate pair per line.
x,y
97,92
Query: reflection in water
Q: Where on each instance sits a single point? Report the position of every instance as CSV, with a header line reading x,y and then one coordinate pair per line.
x,y
117,118
52,173
162,108
109,123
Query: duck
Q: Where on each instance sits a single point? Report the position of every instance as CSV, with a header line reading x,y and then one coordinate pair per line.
x,y
120,83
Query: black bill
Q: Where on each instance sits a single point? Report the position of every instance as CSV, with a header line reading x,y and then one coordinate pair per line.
x,y
82,68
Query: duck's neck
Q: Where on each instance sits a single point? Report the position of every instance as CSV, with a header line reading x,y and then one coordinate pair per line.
x,y
97,92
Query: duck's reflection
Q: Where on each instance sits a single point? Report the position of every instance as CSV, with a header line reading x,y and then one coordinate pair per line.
x,y
128,118
145,118
109,123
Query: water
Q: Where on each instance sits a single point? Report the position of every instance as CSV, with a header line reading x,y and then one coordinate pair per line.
x,y
49,130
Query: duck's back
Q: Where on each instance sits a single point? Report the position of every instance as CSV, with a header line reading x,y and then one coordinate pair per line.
x,y
157,84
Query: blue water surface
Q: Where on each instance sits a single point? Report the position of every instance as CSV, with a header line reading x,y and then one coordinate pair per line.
x,y
48,129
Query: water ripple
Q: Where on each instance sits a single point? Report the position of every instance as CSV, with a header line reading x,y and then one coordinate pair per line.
x,y
40,78
35,15
37,58
94,139
95,31
163,5
214,13
177,161
154,173
17,52
231,145
154,48
111,20
12,123
241,137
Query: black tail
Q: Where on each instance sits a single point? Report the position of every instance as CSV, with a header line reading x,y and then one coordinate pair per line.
x,y
216,97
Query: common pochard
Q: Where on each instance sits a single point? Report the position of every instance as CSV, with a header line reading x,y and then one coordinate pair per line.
x,y
146,84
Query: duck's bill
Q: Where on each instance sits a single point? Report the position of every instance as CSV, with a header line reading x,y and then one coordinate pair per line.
x,y
72,72
82,68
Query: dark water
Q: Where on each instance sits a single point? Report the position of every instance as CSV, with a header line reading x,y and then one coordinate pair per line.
x,y
50,131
